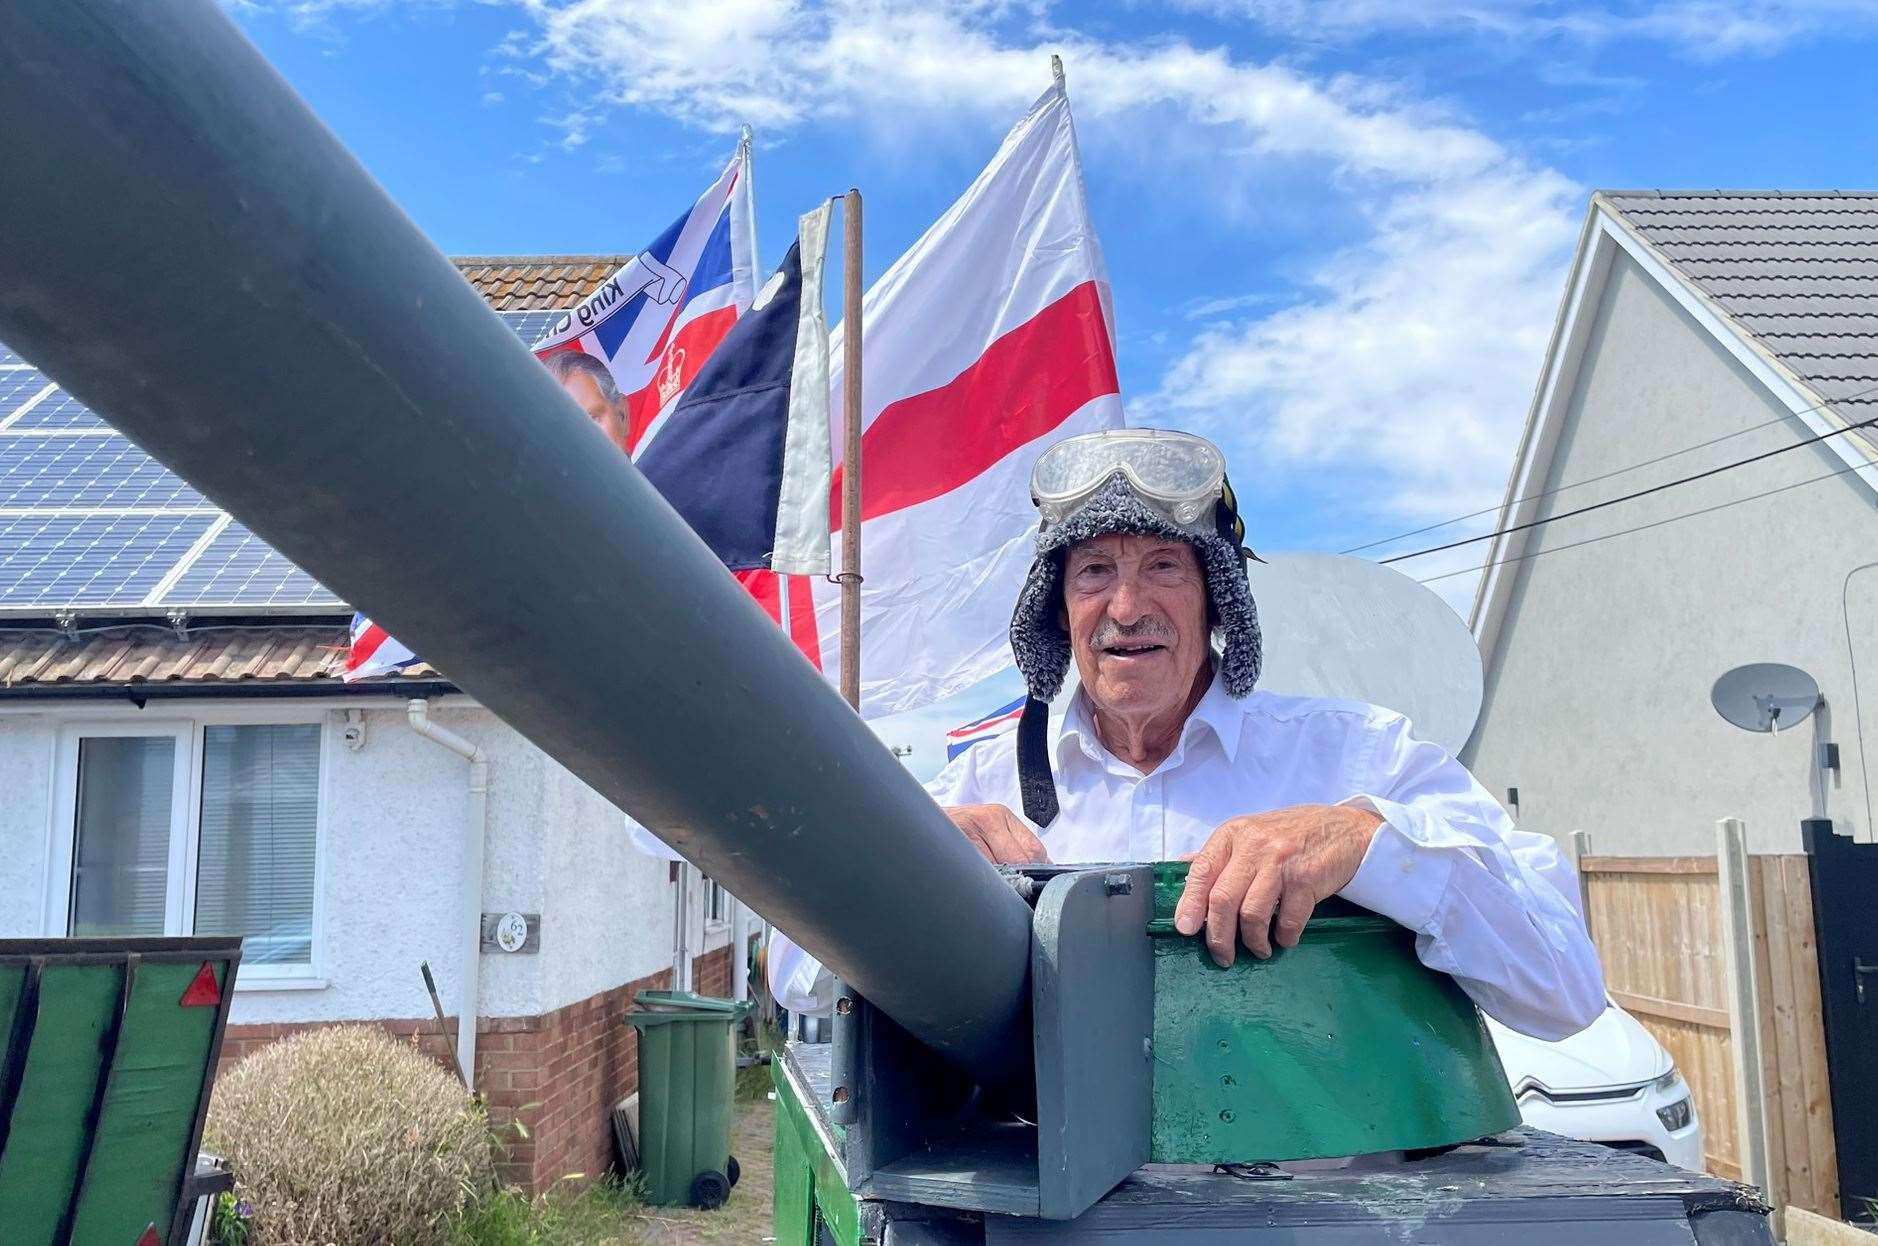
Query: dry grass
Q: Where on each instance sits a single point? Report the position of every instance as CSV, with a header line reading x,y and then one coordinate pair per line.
x,y
745,1218
346,1136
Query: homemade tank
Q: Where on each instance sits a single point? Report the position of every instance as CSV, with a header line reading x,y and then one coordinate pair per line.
x,y
188,251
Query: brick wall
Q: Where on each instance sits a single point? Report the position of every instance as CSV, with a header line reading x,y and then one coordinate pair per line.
x,y
710,973
559,1073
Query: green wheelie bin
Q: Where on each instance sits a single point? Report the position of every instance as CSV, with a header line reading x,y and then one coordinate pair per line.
x,y
687,1079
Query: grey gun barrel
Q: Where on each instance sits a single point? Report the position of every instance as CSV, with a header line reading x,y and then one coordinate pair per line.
x,y
189,251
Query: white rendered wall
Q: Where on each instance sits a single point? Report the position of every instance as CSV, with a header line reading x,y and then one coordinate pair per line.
x,y
607,919
1597,689
26,754
393,823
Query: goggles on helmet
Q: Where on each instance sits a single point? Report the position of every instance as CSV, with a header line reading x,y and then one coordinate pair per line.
x,y
1179,476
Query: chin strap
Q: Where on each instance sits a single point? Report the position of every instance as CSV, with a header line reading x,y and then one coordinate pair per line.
x,y
1036,783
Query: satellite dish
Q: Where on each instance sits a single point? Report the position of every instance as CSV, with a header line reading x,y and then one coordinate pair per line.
x,y
1765,696
1344,627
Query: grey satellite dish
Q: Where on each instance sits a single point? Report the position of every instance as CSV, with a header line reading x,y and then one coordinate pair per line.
x,y
1337,626
1765,696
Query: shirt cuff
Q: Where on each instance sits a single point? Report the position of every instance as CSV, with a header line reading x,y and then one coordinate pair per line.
x,y
1400,877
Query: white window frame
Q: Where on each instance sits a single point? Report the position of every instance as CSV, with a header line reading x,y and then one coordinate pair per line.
x,y
179,910
713,890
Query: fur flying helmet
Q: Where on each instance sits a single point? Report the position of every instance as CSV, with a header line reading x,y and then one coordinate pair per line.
x,y
1145,482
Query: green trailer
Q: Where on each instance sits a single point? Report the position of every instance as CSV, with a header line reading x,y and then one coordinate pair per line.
x,y
107,1053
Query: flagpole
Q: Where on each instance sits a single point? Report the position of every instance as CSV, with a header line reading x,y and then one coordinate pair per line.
x,y
851,450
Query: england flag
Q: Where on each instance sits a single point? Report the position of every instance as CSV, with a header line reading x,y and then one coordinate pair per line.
x,y
986,342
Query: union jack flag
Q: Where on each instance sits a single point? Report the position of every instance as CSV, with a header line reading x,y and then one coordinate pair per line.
x,y
655,321
979,730
374,652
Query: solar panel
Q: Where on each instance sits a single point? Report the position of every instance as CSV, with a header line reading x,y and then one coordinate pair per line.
x,y
530,325
61,465
19,386
240,569
59,411
53,559
87,471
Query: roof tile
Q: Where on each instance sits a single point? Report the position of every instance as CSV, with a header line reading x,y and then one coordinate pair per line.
x,y
1796,269
142,654
537,282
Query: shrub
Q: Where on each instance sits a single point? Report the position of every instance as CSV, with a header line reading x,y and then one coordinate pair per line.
x,y
344,1135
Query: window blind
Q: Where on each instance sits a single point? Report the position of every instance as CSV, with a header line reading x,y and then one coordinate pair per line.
x,y
260,810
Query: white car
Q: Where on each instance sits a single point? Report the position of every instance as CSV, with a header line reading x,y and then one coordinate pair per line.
x,y
1611,1082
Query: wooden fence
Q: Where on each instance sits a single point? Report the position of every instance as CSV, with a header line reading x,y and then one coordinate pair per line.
x,y
1661,924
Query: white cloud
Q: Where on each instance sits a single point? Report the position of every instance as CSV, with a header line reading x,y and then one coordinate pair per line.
x,y
1394,380
1409,363
1397,378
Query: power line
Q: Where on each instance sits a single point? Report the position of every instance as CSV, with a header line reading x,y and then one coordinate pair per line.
x,y
1630,497
1576,484
1656,523
1592,480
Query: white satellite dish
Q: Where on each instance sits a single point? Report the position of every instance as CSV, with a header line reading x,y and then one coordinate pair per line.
x,y
1337,626
1765,696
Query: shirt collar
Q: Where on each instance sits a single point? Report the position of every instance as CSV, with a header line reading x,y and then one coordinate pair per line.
x,y
1217,711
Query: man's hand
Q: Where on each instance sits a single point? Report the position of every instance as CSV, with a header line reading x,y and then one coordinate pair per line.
x,y
998,833
1280,863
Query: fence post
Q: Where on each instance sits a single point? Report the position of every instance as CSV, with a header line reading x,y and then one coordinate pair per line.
x,y
1579,846
1744,1005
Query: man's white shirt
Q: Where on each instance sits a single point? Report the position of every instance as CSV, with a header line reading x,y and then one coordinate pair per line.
x,y
1493,906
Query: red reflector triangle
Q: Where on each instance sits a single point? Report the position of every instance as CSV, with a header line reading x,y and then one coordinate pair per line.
x,y
149,1236
203,992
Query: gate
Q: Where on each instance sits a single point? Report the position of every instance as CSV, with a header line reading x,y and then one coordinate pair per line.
x,y
1845,885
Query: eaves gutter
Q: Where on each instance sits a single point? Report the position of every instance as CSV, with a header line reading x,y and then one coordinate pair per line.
x,y
140,693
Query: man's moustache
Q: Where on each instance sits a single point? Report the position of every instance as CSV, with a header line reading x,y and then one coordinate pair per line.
x,y
1115,633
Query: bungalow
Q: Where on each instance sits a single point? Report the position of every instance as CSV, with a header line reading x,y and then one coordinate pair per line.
x,y
1712,380
1699,329
179,755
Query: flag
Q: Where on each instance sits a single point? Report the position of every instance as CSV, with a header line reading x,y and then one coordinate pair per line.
x,y
652,325
986,342
655,321
744,454
373,652
996,723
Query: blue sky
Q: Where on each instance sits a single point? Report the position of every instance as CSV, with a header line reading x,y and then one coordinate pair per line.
x,y
1337,229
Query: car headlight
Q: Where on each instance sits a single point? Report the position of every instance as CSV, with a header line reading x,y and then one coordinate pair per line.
x,y
1677,1115
1667,1082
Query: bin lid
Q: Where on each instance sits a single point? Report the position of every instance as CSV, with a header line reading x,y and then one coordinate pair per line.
x,y
687,1000
664,1007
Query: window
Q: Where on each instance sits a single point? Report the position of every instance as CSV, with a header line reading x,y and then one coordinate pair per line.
x,y
121,835
259,826
193,828
716,903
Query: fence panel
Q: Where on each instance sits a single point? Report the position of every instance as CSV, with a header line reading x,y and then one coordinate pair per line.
x,y
1658,923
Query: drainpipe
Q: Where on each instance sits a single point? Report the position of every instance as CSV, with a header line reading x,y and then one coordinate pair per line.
x,y
681,928
418,711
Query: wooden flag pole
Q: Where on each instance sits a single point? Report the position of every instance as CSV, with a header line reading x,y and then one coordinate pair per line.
x,y
851,450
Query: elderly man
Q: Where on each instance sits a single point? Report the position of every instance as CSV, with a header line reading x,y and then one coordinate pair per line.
x,y
589,383
1167,752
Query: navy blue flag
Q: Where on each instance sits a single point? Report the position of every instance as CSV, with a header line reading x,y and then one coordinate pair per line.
x,y
744,456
